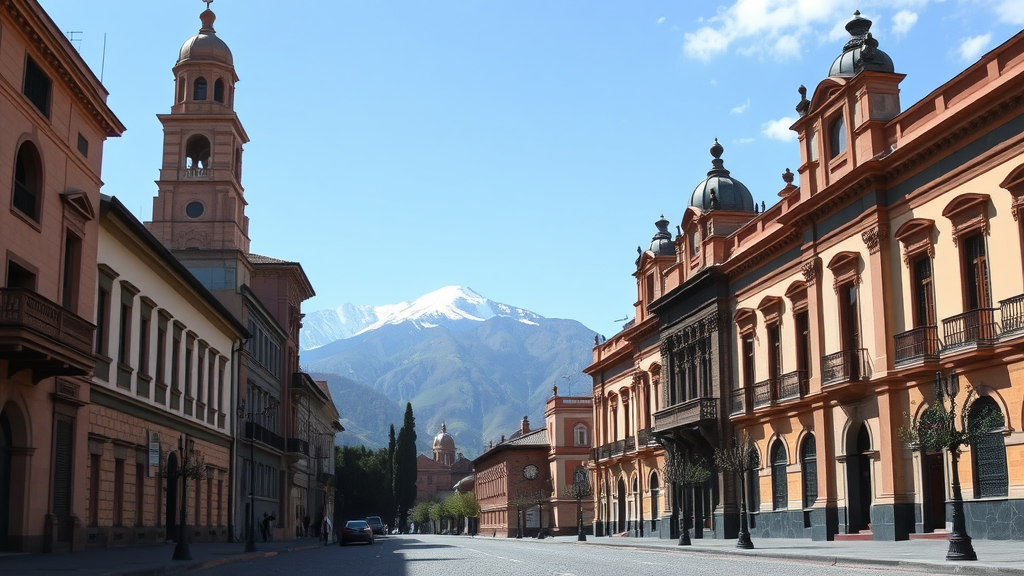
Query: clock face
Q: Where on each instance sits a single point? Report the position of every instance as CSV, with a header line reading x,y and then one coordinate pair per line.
x,y
530,472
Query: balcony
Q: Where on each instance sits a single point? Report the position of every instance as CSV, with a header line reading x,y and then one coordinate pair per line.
x,y
845,366
645,438
917,344
977,327
739,402
791,385
688,413
254,431
40,336
298,446
763,394
1011,314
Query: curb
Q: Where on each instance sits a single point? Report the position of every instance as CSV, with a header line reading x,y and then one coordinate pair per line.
x,y
951,568
175,568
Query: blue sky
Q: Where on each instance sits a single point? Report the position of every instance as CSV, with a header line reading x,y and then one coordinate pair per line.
x,y
522,148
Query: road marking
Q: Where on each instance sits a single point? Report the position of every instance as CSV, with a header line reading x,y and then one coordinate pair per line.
x,y
492,555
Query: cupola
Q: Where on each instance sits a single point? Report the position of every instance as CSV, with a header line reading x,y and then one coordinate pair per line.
x,y
206,46
661,244
720,191
860,52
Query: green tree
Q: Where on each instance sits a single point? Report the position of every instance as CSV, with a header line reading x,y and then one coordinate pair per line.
x,y
390,507
420,514
405,467
580,490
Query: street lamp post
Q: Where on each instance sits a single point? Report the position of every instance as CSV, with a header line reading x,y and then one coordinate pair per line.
x,y
250,540
186,447
960,547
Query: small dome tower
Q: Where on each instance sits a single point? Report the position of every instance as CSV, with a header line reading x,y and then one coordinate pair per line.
x,y
720,191
444,447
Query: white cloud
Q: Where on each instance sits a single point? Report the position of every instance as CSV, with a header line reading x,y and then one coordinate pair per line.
x,y
741,108
743,141
714,82
661,20
779,129
787,46
971,48
1011,12
903,21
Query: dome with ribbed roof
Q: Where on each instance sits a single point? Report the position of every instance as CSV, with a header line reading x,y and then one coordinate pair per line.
x,y
662,244
443,441
720,191
206,46
861,51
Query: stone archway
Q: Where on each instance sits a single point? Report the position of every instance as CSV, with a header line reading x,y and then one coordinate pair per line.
x,y
15,464
858,480
620,519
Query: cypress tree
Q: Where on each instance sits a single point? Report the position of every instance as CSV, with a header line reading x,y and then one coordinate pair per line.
x,y
390,507
405,467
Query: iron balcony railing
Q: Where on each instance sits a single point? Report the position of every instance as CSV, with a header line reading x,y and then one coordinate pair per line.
x,y
23,308
645,437
845,366
254,431
791,385
1011,314
692,411
918,343
298,446
739,401
974,327
763,394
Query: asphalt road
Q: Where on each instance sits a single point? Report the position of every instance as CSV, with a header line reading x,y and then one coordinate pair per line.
x,y
461,556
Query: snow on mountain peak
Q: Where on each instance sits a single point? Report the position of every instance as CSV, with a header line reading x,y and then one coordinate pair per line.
x,y
440,307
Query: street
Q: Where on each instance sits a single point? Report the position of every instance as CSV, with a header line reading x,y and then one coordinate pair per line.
x,y
428,555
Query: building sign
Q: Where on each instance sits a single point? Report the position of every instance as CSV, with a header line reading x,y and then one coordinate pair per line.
x,y
532,517
154,455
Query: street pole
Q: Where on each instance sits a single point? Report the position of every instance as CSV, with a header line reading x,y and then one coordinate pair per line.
x,y
744,536
250,541
960,547
181,551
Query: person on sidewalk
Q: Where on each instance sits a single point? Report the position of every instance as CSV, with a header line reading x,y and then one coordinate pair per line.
x,y
265,526
325,530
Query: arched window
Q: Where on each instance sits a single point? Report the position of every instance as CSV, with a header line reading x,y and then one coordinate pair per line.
x,y
199,89
197,153
580,435
989,451
655,491
809,471
837,137
28,181
181,89
780,488
218,90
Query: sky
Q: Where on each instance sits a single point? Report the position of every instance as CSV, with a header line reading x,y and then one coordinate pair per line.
x,y
522,148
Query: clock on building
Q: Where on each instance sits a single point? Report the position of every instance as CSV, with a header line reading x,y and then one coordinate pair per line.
x,y
530,472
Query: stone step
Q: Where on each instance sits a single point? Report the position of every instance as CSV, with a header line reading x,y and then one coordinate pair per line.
x,y
862,535
936,535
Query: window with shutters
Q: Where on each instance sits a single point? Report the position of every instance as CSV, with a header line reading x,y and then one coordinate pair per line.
x,y
989,454
62,477
809,471
924,292
977,292
780,488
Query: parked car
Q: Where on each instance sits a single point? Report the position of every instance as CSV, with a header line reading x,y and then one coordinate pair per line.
x,y
356,531
376,524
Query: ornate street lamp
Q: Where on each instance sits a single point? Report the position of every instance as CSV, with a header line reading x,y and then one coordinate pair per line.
x,y
250,540
960,547
193,469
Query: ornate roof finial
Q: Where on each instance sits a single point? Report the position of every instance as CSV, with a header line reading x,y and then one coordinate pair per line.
x,y
444,428
207,18
787,177
716,149
804,105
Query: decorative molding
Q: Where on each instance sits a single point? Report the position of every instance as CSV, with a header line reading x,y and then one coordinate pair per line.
x,y
968,213
874,236
811,270
845,269
186,237
916,237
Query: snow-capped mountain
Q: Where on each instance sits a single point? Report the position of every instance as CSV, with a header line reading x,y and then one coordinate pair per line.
x,y
449,307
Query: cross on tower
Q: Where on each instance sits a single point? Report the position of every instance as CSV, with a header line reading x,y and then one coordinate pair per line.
x,y
208,2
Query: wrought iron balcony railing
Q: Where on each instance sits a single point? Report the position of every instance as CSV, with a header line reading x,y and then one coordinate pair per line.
x,y
845,366
916,344
791,385
973,327
1011,314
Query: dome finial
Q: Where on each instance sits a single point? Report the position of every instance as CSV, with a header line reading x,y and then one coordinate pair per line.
x,y
716,149
444,428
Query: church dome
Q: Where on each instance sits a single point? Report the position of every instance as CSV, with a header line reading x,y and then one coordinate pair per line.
x,y
444,442
662,244
206,46
720,191
861,51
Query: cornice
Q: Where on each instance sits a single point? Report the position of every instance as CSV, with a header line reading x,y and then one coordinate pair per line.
x,y
69,75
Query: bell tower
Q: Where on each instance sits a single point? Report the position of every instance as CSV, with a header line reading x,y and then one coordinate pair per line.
x,y
199,209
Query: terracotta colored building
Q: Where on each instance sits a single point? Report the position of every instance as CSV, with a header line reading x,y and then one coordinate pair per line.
x,y
283,430
816,326
165,373
521,483
437,476
53,122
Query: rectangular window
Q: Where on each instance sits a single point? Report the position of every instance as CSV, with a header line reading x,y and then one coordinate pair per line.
x,y
125,334
161,354
176,361
63,475
144,346
19,276
71,276
37,86
774,352
803,343
201,375
119,492
924,299
94,489
83,145
978,292
748,360
188,370
209,501
102,320
650,288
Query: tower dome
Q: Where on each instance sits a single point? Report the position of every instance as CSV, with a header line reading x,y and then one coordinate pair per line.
x,y
443,441
206,46
861,51
662,244
720,191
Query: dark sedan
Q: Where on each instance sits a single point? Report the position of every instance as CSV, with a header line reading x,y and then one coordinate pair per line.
x,y
356,531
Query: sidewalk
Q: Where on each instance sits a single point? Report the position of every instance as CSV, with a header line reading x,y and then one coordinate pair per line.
x,y
929,556
144,560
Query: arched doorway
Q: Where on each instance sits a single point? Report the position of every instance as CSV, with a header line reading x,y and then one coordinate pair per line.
x,y
171,512
858,479
655,503
6,446
620,518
